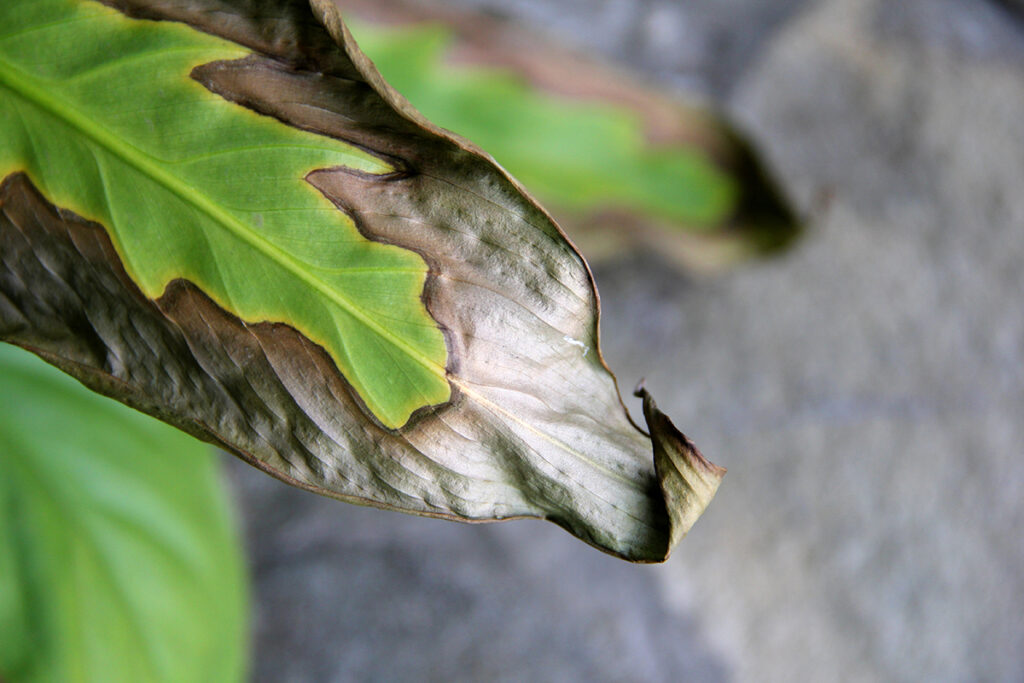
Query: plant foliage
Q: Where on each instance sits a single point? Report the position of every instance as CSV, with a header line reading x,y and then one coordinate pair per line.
x,y
218,212
118,554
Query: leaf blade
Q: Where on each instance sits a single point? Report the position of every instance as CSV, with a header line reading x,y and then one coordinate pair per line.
x,y
534,425
124,556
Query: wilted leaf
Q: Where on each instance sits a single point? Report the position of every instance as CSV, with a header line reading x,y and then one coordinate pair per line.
x,y
623,165
118,557
268,248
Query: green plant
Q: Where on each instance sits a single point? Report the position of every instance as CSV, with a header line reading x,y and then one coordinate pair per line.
x,y
119,559
218,213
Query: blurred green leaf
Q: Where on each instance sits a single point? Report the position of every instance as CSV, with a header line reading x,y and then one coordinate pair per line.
x,y
119,559
578,155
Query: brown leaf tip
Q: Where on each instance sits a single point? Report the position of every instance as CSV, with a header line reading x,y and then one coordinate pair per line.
x,y
688,480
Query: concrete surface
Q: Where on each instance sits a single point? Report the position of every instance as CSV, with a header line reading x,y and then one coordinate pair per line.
x,y
866,392
356,594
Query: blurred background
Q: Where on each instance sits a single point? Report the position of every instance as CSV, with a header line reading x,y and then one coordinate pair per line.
x,y
863,385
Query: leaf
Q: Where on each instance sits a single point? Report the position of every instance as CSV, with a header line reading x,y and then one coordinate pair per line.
x,y
623,165
194,188
118,556
580,155
443,360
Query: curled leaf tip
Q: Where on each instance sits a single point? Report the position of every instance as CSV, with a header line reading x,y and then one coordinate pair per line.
x,y
687,479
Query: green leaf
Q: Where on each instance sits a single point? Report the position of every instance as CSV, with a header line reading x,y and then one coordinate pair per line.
x,y
623,165
443,360
118,555
580,155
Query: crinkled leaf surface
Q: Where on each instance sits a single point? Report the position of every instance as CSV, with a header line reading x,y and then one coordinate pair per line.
x,y
217,212
118,556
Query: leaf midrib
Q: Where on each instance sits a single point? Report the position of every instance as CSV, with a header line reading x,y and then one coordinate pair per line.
x,y
23,86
